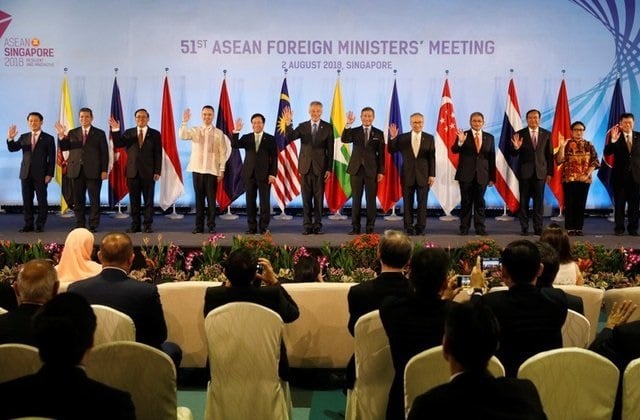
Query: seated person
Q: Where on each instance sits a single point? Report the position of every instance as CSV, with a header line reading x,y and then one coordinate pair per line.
x,y
530,318
37,283
415,322
550,262
64,331
8,298
568,272
305,270
75,260
470,339
240,269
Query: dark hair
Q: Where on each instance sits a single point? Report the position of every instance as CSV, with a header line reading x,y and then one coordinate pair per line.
x,y
550,264
368,108
208,107
64,328
141,110
395,249
573,125
429,269
240,267
476,114
85,109
257,115
558,238
306,270
116,248
35,114
626,115
521,260
471,335
533,110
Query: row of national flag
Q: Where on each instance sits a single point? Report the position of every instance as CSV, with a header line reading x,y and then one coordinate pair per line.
x,y
338,189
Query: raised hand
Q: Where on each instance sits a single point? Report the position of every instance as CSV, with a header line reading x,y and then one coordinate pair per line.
x,y
60,129
238,124
350,117
114,124
287,115
13,131
461,135
186,115
615,132
393,130
516,140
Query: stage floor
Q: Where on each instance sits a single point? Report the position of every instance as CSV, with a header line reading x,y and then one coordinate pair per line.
x,y
445,234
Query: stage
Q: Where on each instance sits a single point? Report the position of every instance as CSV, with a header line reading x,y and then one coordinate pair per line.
x,y
597,229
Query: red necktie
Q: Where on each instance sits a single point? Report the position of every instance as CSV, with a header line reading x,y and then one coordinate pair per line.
x,y
478,142
33,141
84,136
140,139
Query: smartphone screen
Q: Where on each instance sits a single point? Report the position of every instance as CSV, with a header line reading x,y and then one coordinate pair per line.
x,y
464,280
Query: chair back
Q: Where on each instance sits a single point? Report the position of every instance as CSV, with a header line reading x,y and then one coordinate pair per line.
x,y
3,311
592,302
612,296
428,369
575,330
112,325
145,372
573,383
243,341
183,308
18,360
374,370
631,391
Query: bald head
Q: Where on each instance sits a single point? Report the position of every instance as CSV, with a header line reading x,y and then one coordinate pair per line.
x,y
116,250
37,282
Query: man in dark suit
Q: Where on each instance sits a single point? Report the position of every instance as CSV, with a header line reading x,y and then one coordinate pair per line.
x,y
551,265
533,147
366,166
259,170
114,288
470,339
394,250
64,331
37,283
530,318
625,175
416,322
144,164
314,163
241,271
418,169
86,166
36,170
476,169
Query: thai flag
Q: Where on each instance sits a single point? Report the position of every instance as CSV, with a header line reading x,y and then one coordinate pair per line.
x,y
507,165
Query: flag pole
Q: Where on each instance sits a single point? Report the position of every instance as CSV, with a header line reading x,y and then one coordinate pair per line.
x,y
119,214
228,215
448,217
505,217
560,216
282,215
67,213
173,215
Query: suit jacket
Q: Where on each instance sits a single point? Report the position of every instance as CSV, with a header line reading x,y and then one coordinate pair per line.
x,y
63,392
480,396
93,156
261,163
369,155
530,320
315,156
144,162
15,325
415,171
625,162
620,344
275,298
41,161
534,163
141,301
413,323
473,164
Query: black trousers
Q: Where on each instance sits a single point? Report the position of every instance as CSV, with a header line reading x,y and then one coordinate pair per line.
x,y
137,187
253,189
39,187
575,200
358,182
312,199
626,193
472,200
81,186
205,186
408,192
531,188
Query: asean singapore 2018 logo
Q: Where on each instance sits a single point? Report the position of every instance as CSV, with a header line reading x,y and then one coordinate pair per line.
x,y
20,51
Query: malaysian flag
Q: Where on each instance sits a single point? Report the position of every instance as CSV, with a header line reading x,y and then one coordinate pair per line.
x,y
506,165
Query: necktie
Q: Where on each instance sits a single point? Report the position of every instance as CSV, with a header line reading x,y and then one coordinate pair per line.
x,y
629,141
84,136
534,139
366,135
33,141
140,138
258,141
314,131
478,141
415,144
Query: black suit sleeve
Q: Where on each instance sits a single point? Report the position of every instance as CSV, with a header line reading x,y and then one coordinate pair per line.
x,y
157,325
287,307
51,156
273,156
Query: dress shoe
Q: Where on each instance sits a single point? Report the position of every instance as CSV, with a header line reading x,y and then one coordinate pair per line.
x,y
354,231
369,230
251,231
197,230
464,232
39,230
579,233
317,231
571,232
524,232
148,229
482,232
133,230
26,229
619,232
633,233
265,231
93,229
419,232
410,232
212,230
307,232
537,232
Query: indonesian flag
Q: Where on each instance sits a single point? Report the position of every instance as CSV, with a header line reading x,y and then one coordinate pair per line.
x,y
338,188
66,119
561,131
444,187
117,158
389,190
171,184
506,165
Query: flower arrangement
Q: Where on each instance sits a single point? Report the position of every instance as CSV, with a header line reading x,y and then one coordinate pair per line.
x,y
465,257
163,262
360,252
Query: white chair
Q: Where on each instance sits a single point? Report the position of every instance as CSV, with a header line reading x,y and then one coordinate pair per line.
x,y
18,360
112,325
3,311
183,308
575,330
374,370
592,302
146,373
428,369
631,391
573,383
243,341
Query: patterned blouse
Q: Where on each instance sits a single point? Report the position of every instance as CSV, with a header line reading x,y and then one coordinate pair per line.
x,y
579,156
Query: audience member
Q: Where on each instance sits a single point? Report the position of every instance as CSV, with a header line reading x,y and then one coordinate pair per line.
x,y
394,252
569,272
75,261
64,331
470,339
114,288
241,271
8,298
37,283
305,270
550,264
415,322
530,318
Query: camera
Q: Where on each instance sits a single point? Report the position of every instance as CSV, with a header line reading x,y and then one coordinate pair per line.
x,y
492,267
259,268
463,280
